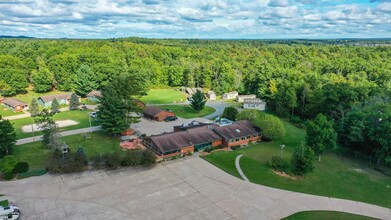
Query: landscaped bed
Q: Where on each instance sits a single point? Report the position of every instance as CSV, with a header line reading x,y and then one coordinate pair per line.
x,y
336,176
326,215
163,96
185,111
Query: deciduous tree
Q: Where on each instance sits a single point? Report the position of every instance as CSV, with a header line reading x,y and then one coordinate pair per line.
x,y
7,138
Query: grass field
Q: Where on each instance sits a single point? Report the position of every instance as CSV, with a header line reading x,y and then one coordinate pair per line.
x,y
163,96
185,111
79,116
35,154
336,176
4,111
326,215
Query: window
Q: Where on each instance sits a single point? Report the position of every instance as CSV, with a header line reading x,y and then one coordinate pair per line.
x,y
243,138
237,139
248,137
231,141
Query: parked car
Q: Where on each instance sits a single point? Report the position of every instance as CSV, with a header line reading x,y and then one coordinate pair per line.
x,y
9,212
93,114
171,118
83,107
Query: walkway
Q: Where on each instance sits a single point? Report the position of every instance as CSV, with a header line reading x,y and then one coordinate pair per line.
x,y
237,165
180,189
64,133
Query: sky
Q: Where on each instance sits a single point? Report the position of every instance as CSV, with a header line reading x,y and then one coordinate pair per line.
x,y
217,19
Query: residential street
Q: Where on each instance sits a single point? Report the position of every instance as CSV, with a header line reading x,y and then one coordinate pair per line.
x,y
180,189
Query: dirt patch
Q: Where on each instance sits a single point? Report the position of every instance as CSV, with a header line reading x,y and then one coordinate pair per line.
x,y
60,124
283,174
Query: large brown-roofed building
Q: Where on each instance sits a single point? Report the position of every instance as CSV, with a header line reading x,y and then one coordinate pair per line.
x,y
240,133
157,114
15,104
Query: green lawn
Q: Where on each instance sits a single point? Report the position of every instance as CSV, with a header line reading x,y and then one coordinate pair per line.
x,y
185,111
35,154
326,215
336,176
4,111
163,96
79,116
31,94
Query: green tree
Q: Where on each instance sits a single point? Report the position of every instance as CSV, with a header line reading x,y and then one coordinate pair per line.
x,y
302,160
7,165
321,135
272,127
55,108
34,107
230,113
119,100
197,101
51,138
249,114
84,81
43,78
74,102
7,138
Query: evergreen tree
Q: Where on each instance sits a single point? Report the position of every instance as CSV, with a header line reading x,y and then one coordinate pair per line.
x,y
118,101
302,160
34,107
321,135
7,138
230,113
55,108
198,101
74,102
51,138
85,81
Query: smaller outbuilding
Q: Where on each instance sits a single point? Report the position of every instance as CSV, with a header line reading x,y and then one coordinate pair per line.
x,y
15,104
230,95
241,98
94,96
157,114
254,104
211,95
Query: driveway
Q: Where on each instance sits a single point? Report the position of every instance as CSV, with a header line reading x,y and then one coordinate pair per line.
x,y
181,189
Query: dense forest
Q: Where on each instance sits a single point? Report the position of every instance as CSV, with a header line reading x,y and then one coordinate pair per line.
x,y
349,82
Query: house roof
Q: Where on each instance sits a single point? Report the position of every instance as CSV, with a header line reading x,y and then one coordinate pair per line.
x,y
194,136
256,100
231,93
211,93
94,93
14,102
152,111
239,129
49,98
192,124
245,96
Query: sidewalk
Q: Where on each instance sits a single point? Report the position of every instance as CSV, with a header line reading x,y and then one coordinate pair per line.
x,y
64,133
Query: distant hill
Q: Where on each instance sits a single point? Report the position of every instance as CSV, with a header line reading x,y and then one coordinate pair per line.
x,y
19,37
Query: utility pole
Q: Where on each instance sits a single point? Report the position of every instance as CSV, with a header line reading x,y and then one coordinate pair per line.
x,y
89,118
32,128
282,150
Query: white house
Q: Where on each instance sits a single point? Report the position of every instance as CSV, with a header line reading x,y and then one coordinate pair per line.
x,y
211,95
241,98
254,104
230,95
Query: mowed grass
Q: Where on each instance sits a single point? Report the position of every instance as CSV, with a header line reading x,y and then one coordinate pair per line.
x,y
79,116
98,142
163,96
326,215
336,176
186,111
4,111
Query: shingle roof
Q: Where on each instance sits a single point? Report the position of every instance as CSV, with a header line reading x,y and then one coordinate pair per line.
x,y
192,124
175,140
152,111
49,98
239,129
256,100
94,93
14,102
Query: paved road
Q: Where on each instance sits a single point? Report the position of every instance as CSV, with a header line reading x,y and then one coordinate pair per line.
x,y
180,189
64,133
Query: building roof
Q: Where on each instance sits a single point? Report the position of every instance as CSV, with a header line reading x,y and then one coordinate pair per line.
x,y
192,124
231,93
14,102
49,98
256,100
194,136
94,93
239,129
244,96
211,93
152,111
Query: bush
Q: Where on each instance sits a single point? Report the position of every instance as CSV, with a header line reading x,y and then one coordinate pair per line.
x,y
132,158
148,158
66,163
302,160
113,161
277,162
230,113
7,165
208,149
21,167
8,176
235,147
98,162
272,127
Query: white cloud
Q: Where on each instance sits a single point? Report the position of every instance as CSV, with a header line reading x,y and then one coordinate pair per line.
x,y
386,7
278,3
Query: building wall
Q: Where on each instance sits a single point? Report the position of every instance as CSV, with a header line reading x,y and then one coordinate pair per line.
x,y
227,143
241,98
217,143
260,106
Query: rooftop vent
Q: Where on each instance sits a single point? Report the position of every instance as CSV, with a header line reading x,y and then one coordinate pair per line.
x,y
237,130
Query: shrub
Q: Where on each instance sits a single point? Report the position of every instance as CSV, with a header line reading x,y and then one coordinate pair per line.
x,y
66,163
98,162
277,162
302,160
148,158
132,158
113,161
8,176
7,165
208,149
235,147
21,167
230,113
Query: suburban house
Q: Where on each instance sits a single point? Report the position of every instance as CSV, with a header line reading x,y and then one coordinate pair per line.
x,y
211,95
240,133
230,95
197,137
63,99
191,91
157,114
241,98
15,104
254,104
94,96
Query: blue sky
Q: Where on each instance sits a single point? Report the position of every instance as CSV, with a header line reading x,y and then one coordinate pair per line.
x,y
255,19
